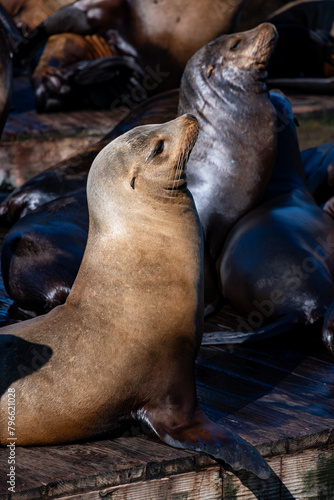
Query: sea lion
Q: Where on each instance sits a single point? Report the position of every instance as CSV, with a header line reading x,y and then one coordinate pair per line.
x,y
121,346
60,52
229,150
43,252
224,85
312,14
278,261
74,71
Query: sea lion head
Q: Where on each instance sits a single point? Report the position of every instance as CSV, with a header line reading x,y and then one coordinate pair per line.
x,y
228,57
144,165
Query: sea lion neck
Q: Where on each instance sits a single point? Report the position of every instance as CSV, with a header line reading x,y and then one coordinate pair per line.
x,y
135,246
137,200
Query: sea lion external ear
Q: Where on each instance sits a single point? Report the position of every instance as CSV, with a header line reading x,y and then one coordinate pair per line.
x,y
201,434
132,182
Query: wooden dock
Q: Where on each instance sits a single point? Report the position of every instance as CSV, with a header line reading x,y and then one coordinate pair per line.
x,y
280,398
278,395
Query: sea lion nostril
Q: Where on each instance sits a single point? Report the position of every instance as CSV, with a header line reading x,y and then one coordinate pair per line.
x,y
191,117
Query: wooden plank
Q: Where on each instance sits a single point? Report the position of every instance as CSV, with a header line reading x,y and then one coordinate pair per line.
x,y
30,124
306,104
192,486
32,142
60,470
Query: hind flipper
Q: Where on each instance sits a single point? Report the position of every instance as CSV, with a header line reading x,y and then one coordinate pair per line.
x,y
203,435
283,325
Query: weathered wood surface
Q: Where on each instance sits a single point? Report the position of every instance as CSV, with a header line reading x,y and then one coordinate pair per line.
x,y
32,142
192,486
281,400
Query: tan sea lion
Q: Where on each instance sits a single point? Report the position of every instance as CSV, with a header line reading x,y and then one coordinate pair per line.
x,y
124,343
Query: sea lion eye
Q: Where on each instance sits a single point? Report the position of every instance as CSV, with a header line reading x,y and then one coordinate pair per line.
x,y
132,183
235,45
159,148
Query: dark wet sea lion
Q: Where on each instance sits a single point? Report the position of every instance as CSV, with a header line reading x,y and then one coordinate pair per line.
x,y
43,252
224,145
142,366
278,262
224,85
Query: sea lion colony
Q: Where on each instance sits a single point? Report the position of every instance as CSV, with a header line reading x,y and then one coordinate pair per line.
x,y
240,455
99,52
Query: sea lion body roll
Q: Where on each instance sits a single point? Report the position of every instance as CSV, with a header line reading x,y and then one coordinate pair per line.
x,y
125,341
43,252
224,85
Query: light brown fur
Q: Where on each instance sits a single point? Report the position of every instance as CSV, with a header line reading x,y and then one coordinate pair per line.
x,y
133,306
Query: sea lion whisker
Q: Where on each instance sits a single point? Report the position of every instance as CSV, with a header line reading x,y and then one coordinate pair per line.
x,y
174,173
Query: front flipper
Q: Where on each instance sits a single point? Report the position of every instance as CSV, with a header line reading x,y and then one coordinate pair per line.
x,y
201,434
